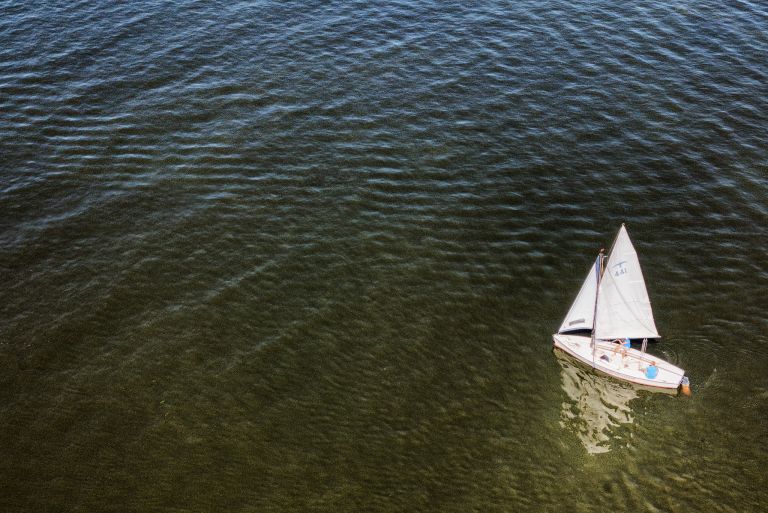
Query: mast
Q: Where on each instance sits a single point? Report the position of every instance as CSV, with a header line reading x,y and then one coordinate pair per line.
x,y
601,256
600,260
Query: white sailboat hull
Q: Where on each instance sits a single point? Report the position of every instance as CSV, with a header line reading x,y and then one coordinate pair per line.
x,y
626,367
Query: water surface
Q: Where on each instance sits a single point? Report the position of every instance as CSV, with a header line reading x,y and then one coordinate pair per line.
x,y
308,256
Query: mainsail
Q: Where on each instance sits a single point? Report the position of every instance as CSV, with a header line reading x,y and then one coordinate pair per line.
x,y
623,306
581,314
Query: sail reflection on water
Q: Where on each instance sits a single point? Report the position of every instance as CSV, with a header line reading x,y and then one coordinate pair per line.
x,y
596,409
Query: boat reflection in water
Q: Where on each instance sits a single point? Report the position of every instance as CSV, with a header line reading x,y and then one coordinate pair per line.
x,y
597,409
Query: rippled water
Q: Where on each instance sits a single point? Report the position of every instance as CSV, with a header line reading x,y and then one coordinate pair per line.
x,y
307,256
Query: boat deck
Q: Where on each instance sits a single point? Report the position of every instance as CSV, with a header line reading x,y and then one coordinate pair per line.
x,y
628,365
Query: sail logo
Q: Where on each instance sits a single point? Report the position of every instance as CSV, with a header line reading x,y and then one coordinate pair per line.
x,y
620,269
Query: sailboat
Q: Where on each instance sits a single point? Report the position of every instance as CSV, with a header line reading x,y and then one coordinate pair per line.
x,y
611,311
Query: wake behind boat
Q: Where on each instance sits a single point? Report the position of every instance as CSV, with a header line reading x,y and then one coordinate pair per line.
x,y
611,310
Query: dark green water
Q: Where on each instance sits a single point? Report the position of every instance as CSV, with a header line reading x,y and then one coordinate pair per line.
x,y
308,256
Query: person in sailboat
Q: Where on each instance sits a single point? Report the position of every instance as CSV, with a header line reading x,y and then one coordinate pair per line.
x,y
651,371
622,345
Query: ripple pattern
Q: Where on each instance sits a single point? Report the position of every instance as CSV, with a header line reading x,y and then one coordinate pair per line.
x,y
306,256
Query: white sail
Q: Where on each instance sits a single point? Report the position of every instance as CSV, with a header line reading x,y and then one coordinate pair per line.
x,y
623,307
581,314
